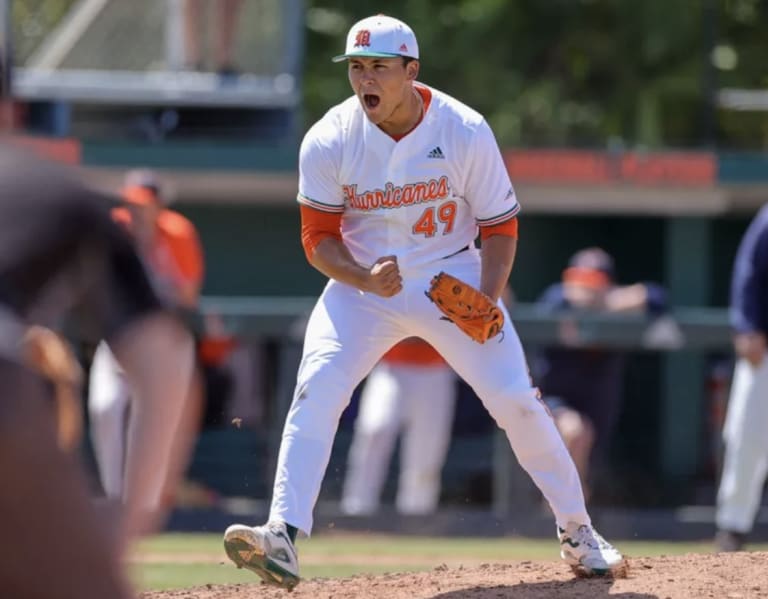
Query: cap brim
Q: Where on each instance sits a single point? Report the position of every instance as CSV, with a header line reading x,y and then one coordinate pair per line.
x,y
586,277
342,57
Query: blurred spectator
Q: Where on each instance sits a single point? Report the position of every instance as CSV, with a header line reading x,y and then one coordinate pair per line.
x,y
63,259
169,246
225,26
744,433
582,386
250,384
215,348
411,390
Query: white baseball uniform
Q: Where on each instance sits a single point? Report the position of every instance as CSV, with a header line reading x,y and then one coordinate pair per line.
x,y
109,397
421,199
746,459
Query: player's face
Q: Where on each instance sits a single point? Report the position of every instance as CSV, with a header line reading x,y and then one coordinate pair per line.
x,y
383,86
584,297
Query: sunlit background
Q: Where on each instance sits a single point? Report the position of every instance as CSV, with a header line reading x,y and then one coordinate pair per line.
x,y
639,127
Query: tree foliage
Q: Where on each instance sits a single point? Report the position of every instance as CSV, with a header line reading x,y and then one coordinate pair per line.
x,y
584,73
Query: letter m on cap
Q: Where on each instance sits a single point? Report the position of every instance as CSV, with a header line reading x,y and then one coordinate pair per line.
x,y
363,38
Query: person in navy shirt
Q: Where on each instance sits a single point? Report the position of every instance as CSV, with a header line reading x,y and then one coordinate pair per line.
x,y
582,385
746,422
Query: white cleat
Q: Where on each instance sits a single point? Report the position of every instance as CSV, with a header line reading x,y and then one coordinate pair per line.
x,y
589,554
266,550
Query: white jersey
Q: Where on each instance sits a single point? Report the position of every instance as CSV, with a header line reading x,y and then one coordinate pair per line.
x,y
420,198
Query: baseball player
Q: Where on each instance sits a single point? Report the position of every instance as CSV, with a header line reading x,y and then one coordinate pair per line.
x,y
394,183
170,247
745,462
412,389
61,256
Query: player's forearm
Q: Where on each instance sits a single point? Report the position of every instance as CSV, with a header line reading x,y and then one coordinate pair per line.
x,y
497,257
332,258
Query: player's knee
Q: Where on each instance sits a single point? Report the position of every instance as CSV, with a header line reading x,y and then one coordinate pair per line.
x,y
515,404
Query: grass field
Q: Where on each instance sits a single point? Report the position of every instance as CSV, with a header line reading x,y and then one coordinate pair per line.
x,y
186,560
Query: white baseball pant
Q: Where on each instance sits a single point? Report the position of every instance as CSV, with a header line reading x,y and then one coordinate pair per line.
x,y
347,334
108,399
746,448
419,400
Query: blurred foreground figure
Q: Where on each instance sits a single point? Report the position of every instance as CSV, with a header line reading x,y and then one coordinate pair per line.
x,y
745,462
169,246
62,257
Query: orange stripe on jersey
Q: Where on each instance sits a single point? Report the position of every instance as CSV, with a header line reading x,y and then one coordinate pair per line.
x,y
414,351
316,225
426,96
508,228
497,220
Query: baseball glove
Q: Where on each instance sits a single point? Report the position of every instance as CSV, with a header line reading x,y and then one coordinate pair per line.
x,y
50,356
468,308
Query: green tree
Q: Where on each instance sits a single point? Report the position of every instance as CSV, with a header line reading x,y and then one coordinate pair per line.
x,y
584,73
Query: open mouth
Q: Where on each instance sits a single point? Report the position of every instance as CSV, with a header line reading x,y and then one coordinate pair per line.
x,y
371,101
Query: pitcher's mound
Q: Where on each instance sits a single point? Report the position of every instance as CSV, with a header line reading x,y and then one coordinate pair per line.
x,y
695,576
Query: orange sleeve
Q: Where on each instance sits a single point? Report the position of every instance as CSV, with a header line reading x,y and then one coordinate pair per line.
x,y
185,245
316,225
508,228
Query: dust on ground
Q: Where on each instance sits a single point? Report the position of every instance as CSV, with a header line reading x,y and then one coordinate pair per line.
x,y
741,575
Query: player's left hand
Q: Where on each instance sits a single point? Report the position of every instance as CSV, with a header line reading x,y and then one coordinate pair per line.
x,y
49,354
468,308
750,346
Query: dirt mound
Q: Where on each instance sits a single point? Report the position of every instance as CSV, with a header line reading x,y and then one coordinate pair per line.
x,y
695,576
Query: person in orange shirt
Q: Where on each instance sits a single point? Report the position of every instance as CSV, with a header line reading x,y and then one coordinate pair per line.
x,y
170,247
411,390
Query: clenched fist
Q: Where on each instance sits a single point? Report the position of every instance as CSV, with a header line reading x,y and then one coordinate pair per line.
x,y
384,277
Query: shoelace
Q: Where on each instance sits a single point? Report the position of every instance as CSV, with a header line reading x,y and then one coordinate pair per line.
x,y
590,537
276,527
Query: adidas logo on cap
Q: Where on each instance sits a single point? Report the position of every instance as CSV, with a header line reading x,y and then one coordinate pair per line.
x,y
436,153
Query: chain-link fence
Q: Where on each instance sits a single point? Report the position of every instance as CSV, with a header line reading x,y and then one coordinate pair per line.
x,y
32,21
182,52
156,35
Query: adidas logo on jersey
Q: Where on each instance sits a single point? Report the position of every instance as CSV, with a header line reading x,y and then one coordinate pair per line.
x,y
436,153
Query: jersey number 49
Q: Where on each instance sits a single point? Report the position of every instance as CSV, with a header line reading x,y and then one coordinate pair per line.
x,y
427,224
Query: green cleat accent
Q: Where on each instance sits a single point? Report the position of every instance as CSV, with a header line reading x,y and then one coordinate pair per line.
x,y
262,550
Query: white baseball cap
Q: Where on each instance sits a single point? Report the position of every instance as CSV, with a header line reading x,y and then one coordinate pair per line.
x,y
380,37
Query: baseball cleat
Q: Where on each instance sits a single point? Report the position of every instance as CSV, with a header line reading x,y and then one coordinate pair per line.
x,y
266,550
589,554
